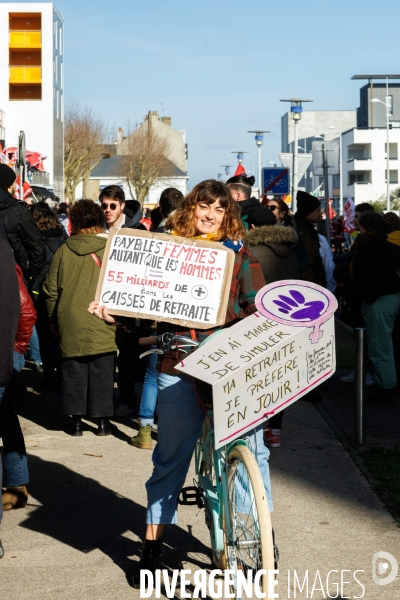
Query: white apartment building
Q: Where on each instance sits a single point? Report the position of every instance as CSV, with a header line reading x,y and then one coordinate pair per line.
x,y
32,84
315,125
365,162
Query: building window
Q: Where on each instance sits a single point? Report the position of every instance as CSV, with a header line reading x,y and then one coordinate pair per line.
x,y
392,151
389,102
60,49
393,176
359,178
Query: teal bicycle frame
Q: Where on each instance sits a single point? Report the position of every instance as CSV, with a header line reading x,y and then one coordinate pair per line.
x,y
215,494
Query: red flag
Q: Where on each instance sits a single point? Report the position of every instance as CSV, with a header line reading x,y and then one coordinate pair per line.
x,y
349,213
240,170
27,189
332,213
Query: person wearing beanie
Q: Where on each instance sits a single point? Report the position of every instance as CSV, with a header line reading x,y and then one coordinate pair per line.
x,y
22,232
240,189
307,216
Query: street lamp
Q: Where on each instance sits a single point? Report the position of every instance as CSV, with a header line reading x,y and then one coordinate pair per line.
x,y
239,154
388,105
227,170
340,170
259,141
219,176
296,110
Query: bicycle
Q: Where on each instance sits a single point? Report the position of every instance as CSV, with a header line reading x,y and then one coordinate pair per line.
x,y
230,488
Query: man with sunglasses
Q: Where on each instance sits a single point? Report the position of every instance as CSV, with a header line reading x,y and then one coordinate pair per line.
x,y
117,212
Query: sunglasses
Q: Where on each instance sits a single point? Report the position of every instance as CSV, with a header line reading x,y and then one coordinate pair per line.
x,y
273,207
112,206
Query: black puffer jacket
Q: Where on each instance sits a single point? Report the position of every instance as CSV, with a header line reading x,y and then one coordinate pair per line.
x,y
9,308
23,235
52,240
373,269
273,246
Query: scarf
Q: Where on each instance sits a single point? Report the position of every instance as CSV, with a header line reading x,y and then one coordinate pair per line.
x,y
394,237
234,245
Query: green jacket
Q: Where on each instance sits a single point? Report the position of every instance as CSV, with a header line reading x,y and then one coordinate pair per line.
x,y
69,287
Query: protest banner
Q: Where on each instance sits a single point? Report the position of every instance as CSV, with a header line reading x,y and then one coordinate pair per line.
x,y
166,278
267,361
349,213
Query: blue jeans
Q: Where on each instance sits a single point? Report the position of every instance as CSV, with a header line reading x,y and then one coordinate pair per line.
x,y
34,347
180,419
148,400
15,460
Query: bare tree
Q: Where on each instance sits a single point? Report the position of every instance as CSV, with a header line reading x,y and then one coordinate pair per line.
x,y
143,161
83,150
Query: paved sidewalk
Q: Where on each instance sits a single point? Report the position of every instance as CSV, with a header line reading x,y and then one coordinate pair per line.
x,y
80,535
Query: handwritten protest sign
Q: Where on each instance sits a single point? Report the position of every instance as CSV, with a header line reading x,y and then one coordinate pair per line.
x,y
267,361
166,278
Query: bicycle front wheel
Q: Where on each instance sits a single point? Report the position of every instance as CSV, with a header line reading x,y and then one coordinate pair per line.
x,y
251,546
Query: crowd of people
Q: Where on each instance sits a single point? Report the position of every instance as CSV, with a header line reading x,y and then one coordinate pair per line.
x,y
49,268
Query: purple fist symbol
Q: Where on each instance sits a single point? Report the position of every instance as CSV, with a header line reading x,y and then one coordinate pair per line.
x,y
306,310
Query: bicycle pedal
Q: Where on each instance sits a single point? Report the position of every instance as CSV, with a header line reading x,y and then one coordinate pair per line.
x,y
191,496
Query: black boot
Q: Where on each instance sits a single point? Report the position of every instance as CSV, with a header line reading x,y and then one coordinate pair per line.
x,y
105,427
152,557
1,550
75,427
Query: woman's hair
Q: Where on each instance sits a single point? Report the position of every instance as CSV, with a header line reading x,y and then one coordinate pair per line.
x,y
209,191
45,218
372,221
283,207
85,214
242,184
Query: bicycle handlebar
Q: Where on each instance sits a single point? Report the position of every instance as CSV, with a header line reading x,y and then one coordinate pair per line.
x,y
168,341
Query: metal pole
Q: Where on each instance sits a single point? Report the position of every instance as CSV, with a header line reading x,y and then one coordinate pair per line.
x,y
387,147
295,168
259,171
361,369
340,175
326,186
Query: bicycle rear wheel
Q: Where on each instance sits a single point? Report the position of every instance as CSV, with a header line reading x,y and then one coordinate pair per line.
x,y
252,544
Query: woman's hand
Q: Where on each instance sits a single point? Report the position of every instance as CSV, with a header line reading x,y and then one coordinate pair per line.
x,y
100,312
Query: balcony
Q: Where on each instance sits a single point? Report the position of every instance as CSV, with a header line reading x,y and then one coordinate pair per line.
x,y
25,39
25,74
359,164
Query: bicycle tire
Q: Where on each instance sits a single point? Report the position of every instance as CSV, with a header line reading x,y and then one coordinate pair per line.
x,y
252,546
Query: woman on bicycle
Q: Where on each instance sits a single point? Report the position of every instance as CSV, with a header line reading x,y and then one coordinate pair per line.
x,y
208,212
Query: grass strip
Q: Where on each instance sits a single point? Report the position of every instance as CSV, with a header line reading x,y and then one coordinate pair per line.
x,y
384,464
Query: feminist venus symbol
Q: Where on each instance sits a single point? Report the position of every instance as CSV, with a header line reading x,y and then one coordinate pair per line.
x,y
297,303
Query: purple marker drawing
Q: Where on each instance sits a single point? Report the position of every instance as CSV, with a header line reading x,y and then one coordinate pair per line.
x,y
297,303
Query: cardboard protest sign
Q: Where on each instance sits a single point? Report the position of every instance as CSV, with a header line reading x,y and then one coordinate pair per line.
x,y
268,360
166,278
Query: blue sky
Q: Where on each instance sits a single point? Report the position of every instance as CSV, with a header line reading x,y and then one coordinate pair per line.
x,y
220,68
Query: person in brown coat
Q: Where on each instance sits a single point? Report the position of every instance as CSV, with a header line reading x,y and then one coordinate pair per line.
x,y
273,246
